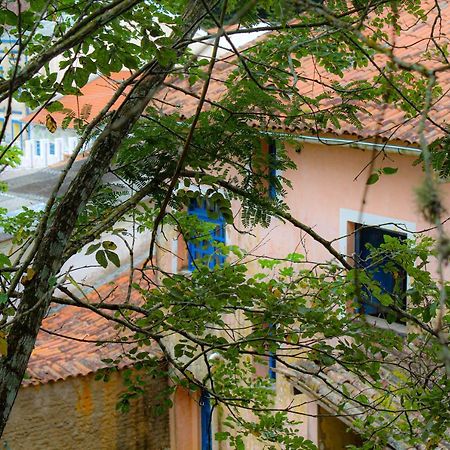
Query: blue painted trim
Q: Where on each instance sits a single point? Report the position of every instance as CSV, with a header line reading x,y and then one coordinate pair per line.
x,y
205,417
272,366
272,169
7,41
206,248
272,360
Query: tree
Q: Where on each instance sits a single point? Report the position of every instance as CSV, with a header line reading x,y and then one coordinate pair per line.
x,y
151,148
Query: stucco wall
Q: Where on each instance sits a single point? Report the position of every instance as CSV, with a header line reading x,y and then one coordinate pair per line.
x,y
80,413
325,182
326,186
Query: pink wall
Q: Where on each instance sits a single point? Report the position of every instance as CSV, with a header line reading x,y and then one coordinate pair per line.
x,y
185,420
324,183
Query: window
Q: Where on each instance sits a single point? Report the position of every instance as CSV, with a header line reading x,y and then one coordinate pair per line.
x,y
17,128
206,249
392,281
52,148
38,148
206,419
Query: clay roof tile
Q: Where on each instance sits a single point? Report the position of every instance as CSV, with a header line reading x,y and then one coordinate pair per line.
x,y
66,345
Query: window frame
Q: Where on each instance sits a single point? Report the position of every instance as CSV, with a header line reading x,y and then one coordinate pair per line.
x,y
348,218
202,214
375,308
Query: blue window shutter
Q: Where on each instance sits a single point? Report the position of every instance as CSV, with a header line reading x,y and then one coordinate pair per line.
x,y
206,248
272,360
52,148
205,417
272,366
272,169
375,237
38,148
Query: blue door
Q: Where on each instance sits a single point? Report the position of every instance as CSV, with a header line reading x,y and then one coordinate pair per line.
x,y
206,415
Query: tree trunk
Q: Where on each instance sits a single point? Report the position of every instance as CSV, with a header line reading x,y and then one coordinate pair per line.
x,y
49,257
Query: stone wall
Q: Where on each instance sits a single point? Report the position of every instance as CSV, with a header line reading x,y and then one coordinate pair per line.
x,y
80,413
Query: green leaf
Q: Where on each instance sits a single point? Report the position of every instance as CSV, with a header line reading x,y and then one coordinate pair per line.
x,y
52,281
92,248
66,121
4,261
240,443
100,256
166,56
81,77
113,257
222,436
389,170
109,245
8,17
54,106
373,178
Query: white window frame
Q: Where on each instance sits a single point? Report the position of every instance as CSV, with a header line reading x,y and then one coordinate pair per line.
x,y
347,216
406,227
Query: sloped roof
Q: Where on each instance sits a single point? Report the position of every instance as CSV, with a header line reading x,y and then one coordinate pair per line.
x,y
66,345
385,121
95,95
318,383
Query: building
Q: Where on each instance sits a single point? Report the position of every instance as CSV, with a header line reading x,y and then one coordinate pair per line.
x,y
27,129
329,185
15,126
62,404
330,193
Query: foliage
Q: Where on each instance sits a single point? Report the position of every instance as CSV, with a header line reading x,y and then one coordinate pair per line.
x,y
213,324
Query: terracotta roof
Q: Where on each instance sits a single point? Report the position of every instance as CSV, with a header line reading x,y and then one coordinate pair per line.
x,y
56,357
327,386
387,122
95,95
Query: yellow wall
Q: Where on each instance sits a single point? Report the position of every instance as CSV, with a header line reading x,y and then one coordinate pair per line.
x,y
334,434
79,413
